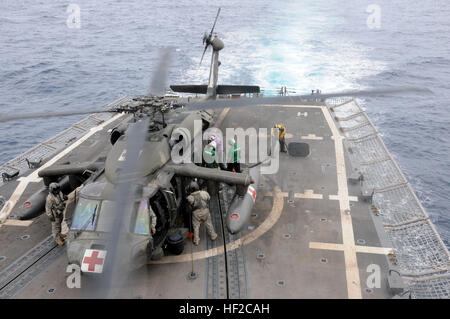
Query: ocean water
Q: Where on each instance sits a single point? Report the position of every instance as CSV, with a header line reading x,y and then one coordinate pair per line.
x,y
326,44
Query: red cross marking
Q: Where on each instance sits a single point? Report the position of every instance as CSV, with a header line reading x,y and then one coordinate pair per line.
x,y
93,260
252,192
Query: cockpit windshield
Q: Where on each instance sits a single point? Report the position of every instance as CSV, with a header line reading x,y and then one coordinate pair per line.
x,y
85,214
139,219
106,219
142,225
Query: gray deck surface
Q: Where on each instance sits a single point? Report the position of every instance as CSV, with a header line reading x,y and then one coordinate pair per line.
x,y
301,241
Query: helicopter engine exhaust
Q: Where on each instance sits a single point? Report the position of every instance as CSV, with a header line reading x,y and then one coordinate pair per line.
x,y
192,170
34,206
116,133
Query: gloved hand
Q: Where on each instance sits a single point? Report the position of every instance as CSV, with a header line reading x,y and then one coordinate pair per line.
x,y
52,218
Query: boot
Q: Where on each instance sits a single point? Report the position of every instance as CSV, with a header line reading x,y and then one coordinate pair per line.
x,y
62,235
59,241
157,254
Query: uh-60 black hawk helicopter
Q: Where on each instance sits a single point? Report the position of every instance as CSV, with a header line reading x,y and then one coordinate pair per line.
x,y
138,175
122,183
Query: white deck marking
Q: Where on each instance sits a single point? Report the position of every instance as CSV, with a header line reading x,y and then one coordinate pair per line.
x,y
348,239
34,178
294,106
359,249
374,250
337,197
288,135
312,137
308,194
16,222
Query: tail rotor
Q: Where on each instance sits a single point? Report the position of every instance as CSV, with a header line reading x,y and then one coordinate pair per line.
x,y
207,38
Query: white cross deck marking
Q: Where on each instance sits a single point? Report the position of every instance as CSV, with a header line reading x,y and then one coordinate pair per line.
x,y
34,178
308,194
359,249
15,222
350,198
312,137
348,239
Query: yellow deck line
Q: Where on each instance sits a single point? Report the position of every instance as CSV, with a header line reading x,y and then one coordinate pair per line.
x,y
269,222
16,222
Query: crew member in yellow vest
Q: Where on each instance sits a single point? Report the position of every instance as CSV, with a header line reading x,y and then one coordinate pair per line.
x,y
281,137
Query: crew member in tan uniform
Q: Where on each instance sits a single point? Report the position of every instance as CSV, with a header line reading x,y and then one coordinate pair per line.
x,y
198,200
54,208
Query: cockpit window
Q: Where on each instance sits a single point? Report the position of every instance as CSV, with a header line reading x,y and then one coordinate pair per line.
x,y
142,225
106,218
85,214
88,211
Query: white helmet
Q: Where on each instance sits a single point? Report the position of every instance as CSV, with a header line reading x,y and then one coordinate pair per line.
x,y
213,144
231,141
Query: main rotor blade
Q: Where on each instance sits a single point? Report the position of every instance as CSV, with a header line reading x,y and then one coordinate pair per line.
x,y
372,92
50,114
214,25
241,102
204,51
125,193
159,78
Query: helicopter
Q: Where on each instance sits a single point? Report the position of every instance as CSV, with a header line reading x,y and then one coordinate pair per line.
x,y
137,174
